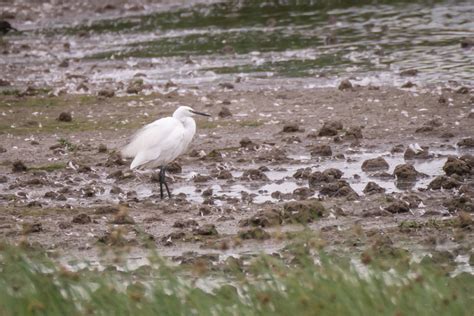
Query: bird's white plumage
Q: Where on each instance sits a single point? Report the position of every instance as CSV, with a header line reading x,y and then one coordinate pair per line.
x,y
162,141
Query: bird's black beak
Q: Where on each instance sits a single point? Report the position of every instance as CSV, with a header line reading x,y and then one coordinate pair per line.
x,y
200,113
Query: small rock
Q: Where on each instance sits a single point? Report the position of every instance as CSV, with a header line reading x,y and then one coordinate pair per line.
x,y
373,188
321,150
345,85
82,219
375,164
19,166
224,112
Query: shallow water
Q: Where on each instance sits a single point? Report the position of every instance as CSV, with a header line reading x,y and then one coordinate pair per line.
x,y
263,43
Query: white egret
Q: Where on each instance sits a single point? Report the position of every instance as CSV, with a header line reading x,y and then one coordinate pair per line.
x,y
161,142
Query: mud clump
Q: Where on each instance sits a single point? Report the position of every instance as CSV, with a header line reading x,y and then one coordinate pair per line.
x,y
199,178
460,203
398,207
429,126
341,188
254,233
410,153
466,142
115,159
321,151
303,193
206,230
266,218
345,85
224,175
302,173
327,176
82,219
29,228
254,175
409,73
246,143
303,212
405,172
106,93
375,164
174,167
353,133
224,112
107,209
65,117
444,182
373,188
122,218
291,128
456,166
330,128
19,166
185,223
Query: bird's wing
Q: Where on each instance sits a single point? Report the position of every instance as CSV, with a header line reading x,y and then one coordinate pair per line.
x,y
162,149
149,135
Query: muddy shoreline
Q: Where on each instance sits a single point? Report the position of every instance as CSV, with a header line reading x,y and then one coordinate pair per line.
x,y
255,173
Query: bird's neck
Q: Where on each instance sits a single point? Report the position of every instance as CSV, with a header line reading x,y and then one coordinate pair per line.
x,y
188,122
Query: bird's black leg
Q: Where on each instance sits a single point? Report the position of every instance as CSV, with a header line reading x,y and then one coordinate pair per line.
x,y
161,182
163,169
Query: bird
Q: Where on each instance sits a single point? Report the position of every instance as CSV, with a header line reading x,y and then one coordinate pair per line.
x,y
157,144
5,27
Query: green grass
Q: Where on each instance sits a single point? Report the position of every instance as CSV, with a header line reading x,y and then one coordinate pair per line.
x,y
33,284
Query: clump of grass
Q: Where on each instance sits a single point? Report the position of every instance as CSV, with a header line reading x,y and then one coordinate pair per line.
x,y
67,144
31,283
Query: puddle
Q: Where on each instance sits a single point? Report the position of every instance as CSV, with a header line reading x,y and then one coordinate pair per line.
x,y
264,44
